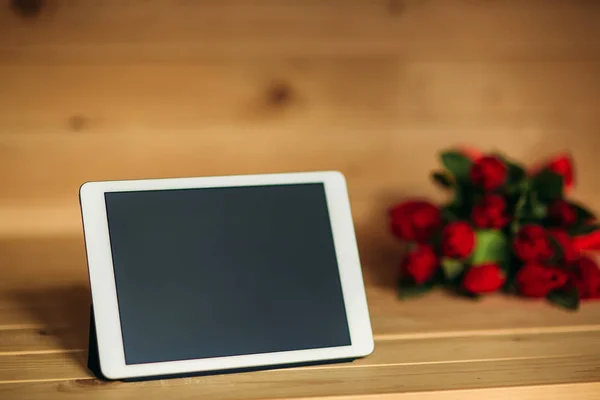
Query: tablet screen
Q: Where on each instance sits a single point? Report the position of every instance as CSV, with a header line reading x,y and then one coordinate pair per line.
x,y
216,272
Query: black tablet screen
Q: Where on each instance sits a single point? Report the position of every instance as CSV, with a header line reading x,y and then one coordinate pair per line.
x,y
225,271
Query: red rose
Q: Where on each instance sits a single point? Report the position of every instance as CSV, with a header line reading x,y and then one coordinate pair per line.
x,y
420,264
564,240
490,212
489,172
415,220
483,278
562,213
535,280
586,277
563,166
588,242
458,240
532,244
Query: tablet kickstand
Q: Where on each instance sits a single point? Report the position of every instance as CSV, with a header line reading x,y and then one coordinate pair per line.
x,y
93,356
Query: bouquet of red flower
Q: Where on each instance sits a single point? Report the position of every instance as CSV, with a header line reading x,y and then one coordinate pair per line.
x,y
503,229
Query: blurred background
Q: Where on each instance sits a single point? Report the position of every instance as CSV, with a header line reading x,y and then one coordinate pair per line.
x,y
98,90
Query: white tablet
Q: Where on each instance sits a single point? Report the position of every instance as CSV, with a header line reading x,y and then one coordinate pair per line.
x,y
207,274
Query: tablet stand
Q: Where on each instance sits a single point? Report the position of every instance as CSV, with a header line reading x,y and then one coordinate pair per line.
x,y
94,362
93,357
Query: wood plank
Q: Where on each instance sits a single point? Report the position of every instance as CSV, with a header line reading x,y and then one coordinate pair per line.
x,y
43,366
225,96
580,391
418,348
139,156
440,312
374,187
335,381
42,272
65,31
34,340
213,96
224,118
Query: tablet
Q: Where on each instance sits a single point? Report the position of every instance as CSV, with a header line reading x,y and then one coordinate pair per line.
x,y
216,273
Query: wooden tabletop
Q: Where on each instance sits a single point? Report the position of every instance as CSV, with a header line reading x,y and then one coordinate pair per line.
x,y
101,90
436,344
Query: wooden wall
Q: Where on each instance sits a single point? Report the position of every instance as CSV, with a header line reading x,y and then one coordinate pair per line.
x,y
124,89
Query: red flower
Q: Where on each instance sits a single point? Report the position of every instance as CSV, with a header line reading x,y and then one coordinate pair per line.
x,y
490,212
532,244
536,280
420,264
458,240
489,172
589,242
415,220
586,277
569,253
563,166
562,213
483,278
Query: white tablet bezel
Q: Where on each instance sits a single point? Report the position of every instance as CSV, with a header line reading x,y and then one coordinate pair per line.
x,y
104,294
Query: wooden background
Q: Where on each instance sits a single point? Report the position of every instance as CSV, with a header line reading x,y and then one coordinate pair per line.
x,y
127,89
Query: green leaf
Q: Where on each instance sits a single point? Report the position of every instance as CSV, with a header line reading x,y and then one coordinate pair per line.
x,y
583,229
442,179
513,265
458,164
524,185
452,268
510,286
558,254
436,240
448,214
515,227
520,206
490,246
465,293
407,290
539,211
464,198
515,188
515,173
534,208
529,208
548,185
410,246
583,214
566,298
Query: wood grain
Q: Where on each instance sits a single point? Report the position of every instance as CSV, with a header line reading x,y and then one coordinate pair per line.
x,y
581,391
47,360
149,88
230,117
309,382
42,340
190,31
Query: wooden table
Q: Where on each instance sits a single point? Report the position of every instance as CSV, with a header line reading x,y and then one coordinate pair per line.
x,y
437,344
373,88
